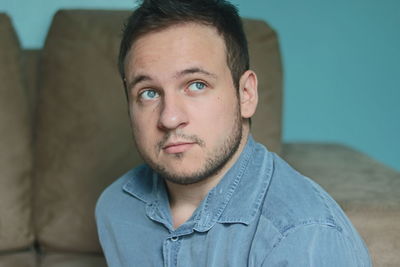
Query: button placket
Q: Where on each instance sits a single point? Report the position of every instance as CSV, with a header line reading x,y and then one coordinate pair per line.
x,y
170,250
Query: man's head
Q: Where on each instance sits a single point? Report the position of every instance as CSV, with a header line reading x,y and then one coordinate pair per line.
x,y
187,112
156,15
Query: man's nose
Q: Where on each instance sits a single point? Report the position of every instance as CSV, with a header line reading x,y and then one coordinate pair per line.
x,y
173,112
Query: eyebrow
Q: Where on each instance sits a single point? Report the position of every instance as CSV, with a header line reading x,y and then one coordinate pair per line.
x,y
138,79
194,70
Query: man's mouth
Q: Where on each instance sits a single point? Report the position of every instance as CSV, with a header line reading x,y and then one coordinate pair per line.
x,y
177,147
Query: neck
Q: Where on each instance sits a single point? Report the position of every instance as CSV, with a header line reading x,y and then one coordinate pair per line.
x,y
184,199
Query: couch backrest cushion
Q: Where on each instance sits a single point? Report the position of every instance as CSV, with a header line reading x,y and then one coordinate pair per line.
x,y
265,60
83,135
15,146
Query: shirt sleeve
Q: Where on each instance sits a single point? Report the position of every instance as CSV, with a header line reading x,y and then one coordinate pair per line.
x,y
317,245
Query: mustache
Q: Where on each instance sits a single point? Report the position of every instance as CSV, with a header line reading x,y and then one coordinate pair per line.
x,y
181,137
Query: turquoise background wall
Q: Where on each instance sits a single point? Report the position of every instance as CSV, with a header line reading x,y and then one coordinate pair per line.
x,y
341,61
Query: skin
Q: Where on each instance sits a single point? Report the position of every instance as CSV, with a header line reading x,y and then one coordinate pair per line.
x,y
189,122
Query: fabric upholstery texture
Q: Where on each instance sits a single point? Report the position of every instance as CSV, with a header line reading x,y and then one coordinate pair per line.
x,y
265,60
367,190
72,260
83,136
19,259
15,146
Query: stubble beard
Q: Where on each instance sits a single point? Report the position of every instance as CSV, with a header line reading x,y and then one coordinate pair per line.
x,y
214,162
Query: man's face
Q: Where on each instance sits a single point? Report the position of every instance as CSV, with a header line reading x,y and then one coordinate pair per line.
x,y
183,106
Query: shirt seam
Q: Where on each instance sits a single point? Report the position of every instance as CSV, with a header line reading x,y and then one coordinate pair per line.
x,y
345,234
293,228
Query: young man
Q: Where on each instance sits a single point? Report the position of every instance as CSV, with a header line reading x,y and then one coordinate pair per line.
x,y
208,195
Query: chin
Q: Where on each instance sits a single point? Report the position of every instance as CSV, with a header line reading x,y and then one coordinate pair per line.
x,y
184,179
175,174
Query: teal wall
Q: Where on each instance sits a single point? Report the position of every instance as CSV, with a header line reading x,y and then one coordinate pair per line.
x,y
341,61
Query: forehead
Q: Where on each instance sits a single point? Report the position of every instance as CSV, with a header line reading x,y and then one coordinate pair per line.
x,y
175,46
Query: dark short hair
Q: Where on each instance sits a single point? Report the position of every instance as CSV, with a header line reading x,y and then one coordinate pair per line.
x,y
155,15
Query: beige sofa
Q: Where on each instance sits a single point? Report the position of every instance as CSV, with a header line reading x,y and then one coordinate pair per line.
x,y
64,136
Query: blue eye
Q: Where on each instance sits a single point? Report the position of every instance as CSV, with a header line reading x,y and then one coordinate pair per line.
x,y
197,86
149,94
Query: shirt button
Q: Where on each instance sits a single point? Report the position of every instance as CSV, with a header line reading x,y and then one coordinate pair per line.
x,y
174,238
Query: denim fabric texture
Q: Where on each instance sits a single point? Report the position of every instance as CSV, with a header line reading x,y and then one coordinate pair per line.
x,y
262,213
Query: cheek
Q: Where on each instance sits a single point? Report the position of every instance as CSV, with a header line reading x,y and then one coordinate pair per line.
x,y
137,126
218,116
227,107
142,138
144,127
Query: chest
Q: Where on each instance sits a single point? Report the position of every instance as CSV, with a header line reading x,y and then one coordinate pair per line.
x,y
223,245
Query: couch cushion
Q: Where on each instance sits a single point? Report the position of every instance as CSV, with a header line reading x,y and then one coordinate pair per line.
x,y
368,191
83,135
18,259
15,146
265,60
72,260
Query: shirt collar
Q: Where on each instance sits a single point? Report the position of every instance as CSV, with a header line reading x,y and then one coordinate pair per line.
x,y
236,199
238,196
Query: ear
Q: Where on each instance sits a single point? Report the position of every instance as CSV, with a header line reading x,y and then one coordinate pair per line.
x,y
248,94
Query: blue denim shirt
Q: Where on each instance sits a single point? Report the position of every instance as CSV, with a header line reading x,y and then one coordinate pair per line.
x,y
262,213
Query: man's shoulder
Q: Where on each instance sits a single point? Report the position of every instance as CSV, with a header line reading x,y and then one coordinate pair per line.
x,y
304,216
294,200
